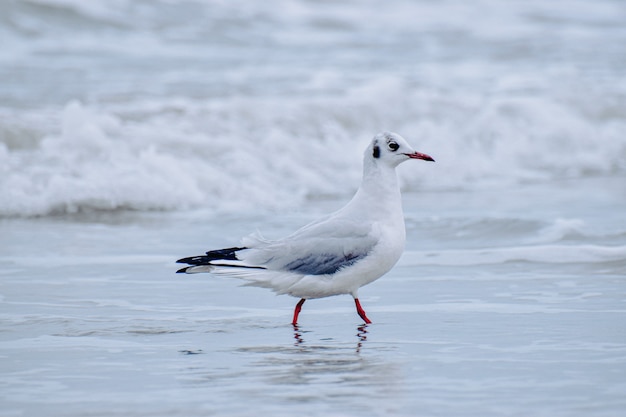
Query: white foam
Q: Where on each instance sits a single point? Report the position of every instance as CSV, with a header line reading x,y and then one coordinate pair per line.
x,y
562,229
264,152
208,126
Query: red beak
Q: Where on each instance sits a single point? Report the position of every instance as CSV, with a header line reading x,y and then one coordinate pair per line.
x,y
417,155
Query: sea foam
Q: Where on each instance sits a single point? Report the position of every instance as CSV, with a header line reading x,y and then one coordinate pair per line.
x,y
235,153
229,105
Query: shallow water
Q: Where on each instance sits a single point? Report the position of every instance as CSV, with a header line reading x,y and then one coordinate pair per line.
x,y
133,133
498,307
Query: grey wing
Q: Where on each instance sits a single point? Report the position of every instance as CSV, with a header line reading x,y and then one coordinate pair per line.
x,y
324,262
324,249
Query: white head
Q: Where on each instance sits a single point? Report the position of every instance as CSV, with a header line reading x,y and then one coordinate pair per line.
x,y
391,149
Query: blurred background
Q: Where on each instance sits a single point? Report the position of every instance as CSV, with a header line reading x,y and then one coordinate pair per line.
x,y
167,105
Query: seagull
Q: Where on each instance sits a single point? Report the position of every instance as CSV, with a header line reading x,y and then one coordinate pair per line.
x,y
337,254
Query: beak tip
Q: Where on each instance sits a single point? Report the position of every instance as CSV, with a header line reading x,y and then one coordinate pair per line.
x,y
422,156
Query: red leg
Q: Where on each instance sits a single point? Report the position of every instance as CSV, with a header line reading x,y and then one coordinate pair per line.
x,y
361,312
296,312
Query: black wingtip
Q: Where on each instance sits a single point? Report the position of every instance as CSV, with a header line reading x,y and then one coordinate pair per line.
x,y
229,254
186,260
195,260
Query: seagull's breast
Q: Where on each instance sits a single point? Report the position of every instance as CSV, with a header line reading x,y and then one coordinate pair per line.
x,y
385,254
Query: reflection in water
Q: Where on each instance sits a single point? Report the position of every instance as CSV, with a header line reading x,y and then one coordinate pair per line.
x,y
297,334
343,374
346,373
361,335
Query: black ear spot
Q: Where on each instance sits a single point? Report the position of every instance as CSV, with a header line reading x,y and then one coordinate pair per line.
x,y
376,153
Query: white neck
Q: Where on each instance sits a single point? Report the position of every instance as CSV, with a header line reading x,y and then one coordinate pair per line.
x,y
379,189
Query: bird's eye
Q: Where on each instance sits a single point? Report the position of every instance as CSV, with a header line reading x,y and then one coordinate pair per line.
x,y
393,146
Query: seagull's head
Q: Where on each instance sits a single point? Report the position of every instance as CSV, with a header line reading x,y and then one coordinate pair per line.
x,y
392,149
